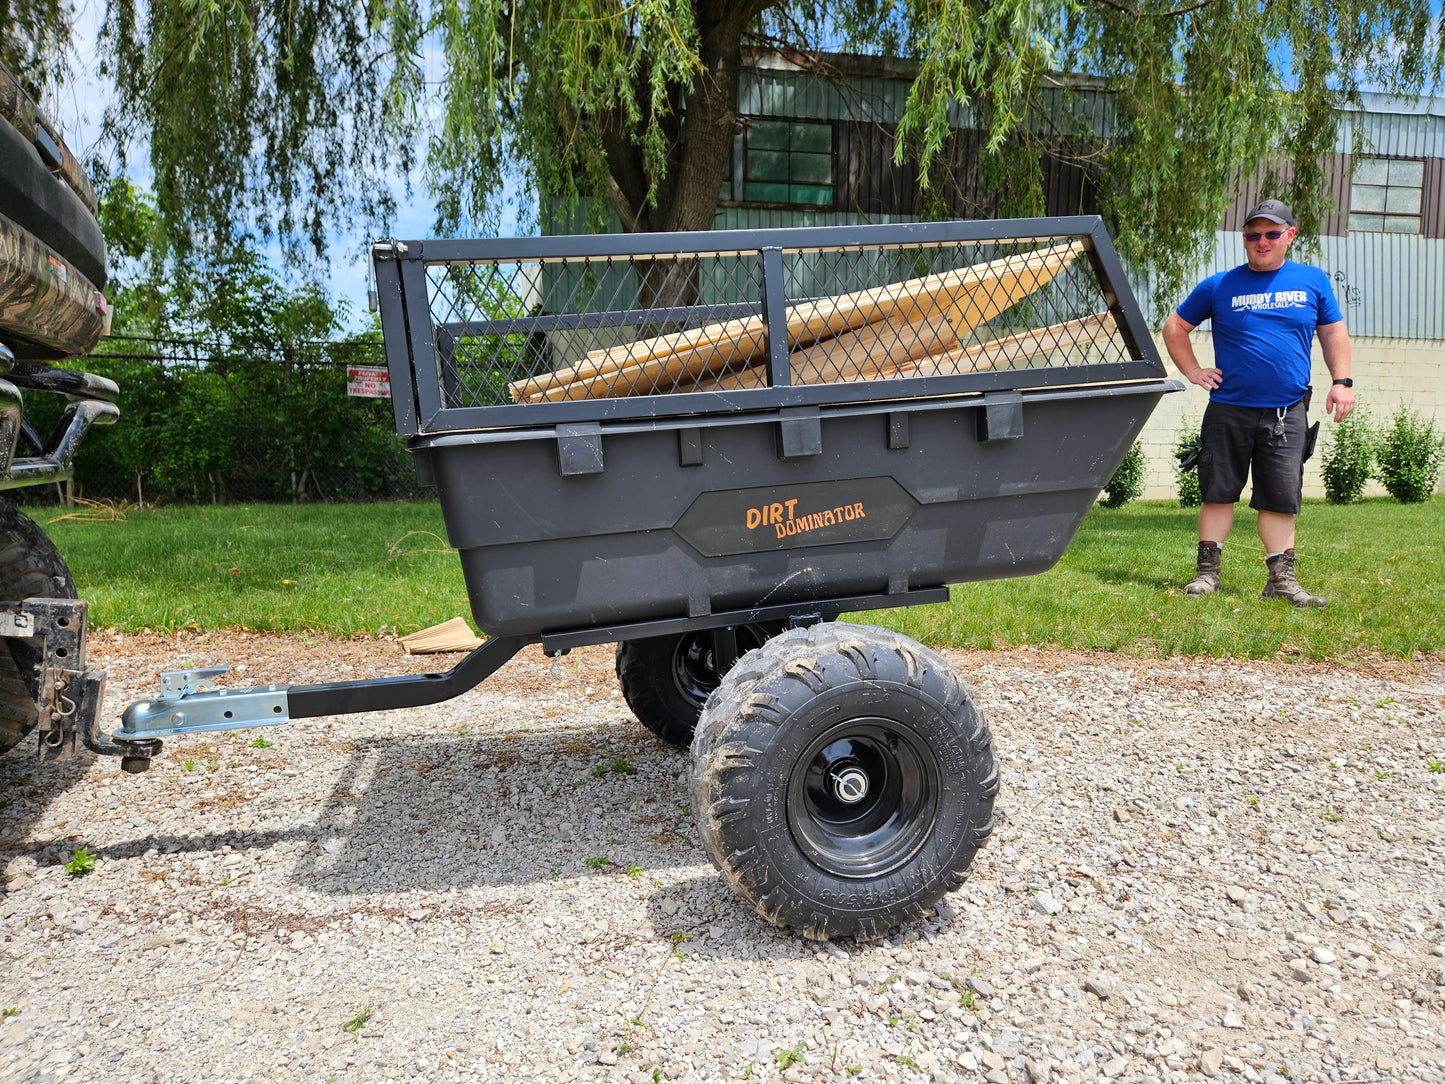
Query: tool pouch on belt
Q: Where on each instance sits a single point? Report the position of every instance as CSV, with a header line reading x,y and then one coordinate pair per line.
x,y
1312,434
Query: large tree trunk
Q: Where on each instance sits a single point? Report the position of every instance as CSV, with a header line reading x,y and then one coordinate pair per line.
x,y
686,197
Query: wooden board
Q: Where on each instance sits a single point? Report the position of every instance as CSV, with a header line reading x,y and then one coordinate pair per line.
x,y
453,635
1027,344
966,297
1003,351
853,355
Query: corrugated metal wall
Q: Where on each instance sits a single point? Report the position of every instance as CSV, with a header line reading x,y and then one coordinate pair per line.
x,y
1252,191
770,218
770,91
1388,285
767,89
1393,127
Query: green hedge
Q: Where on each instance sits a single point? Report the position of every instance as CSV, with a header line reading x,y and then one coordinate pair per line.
x,y
201,427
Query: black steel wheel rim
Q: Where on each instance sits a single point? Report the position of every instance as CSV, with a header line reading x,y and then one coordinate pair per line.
x,y
863,797
694,662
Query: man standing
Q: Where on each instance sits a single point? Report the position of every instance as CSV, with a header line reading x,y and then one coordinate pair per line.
x,y
1266,313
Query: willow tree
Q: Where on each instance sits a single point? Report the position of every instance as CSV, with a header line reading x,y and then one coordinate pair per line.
x,y
34,42
288,116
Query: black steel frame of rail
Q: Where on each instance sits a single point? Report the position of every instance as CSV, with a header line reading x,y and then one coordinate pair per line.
x,y
411,338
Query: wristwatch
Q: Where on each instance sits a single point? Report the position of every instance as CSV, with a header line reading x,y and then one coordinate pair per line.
x,y
1347,382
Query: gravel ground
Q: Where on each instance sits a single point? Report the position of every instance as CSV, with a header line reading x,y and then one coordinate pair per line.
x,y
1201,869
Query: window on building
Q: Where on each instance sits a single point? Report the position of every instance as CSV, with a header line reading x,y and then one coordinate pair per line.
x,y
782,161
1385,195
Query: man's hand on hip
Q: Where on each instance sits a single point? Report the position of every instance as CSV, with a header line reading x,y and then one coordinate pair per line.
x,y
1339,402
1208,379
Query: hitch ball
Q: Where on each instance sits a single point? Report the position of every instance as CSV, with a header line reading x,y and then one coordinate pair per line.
x,y
137,755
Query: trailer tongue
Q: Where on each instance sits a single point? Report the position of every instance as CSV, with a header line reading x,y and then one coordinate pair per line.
x,y
706,448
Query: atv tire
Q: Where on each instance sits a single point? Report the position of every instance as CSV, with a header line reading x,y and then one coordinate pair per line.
x,y
843,779
30,567
666,680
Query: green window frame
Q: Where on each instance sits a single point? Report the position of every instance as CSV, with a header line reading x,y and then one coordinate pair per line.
x,y
1387,195
782,161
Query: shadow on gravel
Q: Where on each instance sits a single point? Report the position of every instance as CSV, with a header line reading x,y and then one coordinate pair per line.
x,y
457,812
436,813
27,788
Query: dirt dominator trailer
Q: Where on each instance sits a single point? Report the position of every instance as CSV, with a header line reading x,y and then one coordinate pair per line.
x,y
705,448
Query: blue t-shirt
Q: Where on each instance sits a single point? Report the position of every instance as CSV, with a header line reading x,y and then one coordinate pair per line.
x,y
1264,325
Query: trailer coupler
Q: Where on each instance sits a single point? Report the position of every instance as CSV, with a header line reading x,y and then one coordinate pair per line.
x,y
189,704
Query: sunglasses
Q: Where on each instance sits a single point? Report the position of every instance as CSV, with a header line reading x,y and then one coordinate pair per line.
x,y
1273,235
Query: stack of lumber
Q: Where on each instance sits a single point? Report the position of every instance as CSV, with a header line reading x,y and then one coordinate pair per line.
x,y
904,328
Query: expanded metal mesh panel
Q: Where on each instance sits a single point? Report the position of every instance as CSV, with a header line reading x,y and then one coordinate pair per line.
x,y
944,310
569,329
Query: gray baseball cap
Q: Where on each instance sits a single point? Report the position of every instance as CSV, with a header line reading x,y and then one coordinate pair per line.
x,y
1273,210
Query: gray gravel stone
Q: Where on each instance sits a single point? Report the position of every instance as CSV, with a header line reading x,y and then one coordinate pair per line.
x,y
465,886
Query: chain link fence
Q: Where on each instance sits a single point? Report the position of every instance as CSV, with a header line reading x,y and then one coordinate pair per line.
x,y
200,423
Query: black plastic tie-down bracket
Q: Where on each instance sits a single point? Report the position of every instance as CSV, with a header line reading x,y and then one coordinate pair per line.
x,y
1001,417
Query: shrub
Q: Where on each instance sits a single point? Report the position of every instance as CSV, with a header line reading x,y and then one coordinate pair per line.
x,y
1345,465
1128,480
1187,478
1409,456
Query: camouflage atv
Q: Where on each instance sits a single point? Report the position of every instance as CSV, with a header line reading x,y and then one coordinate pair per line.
x,y
52,272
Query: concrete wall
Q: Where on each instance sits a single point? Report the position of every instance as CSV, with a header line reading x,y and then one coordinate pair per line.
x,y
1387,373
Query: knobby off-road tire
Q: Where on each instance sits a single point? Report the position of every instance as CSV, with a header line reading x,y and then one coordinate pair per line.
x,y
843,779
30,567
667,679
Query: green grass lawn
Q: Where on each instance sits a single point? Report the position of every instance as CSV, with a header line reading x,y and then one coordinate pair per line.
x,y
1119,587
341,568
350,569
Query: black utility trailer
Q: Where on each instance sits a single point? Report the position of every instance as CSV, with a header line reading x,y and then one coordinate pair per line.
x,y
707,447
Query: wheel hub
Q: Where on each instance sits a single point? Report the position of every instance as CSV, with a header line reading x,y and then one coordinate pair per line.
x,y
694,662
863,797
849,784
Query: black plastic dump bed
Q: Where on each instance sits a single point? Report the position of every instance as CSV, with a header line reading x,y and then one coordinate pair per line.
x,y
630,429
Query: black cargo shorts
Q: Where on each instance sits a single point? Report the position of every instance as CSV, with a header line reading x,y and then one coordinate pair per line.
x,y
1237,441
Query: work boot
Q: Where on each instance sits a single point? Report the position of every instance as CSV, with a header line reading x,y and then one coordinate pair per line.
x,y
1282,583
1206,575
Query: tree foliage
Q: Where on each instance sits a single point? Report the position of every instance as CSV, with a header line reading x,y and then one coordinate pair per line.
x,y
232,380
257,114
289,116
35,42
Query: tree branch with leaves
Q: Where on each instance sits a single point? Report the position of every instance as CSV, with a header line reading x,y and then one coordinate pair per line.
x,y
292,119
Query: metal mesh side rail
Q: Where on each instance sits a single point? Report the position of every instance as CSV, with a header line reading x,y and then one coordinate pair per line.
x,y
559,328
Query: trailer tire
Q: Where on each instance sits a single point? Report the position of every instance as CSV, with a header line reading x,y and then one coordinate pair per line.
x,y
843,779
30,567
666,680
